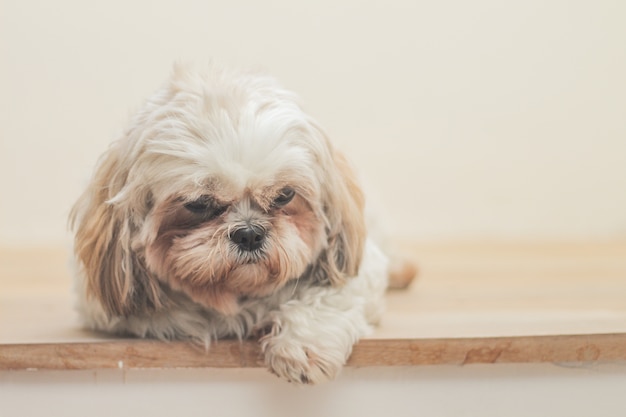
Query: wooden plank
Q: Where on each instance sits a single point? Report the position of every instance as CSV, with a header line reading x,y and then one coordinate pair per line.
x,y
146,354
471,304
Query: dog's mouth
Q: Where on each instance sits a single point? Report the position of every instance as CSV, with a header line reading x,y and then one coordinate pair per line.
x,y
251,257
250,262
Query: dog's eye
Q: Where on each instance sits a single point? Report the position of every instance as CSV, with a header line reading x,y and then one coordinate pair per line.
x,y
286,195
198,206
205,206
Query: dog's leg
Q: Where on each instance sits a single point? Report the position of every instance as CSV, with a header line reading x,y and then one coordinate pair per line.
x,y
310,338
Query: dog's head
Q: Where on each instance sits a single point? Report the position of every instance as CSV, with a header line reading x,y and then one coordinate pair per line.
x,y
221,188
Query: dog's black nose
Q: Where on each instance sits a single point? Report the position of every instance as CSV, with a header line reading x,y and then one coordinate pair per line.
x,y
248,238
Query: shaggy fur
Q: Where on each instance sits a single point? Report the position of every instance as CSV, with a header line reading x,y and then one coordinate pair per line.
x,y
225,211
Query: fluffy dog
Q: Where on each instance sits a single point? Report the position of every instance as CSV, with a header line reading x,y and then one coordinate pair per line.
x,y
225,211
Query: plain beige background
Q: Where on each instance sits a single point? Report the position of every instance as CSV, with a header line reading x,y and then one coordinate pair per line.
x,y
470,120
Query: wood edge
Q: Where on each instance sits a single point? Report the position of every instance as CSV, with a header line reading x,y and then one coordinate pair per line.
x,y
149,354
517,349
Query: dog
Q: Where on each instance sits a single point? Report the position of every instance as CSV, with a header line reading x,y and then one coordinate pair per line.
x,y
225,211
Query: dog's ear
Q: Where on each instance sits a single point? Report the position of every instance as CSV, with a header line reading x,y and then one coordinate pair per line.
x,y
344,209
114,275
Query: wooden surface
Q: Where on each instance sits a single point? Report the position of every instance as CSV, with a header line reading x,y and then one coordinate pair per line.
x,y
472,303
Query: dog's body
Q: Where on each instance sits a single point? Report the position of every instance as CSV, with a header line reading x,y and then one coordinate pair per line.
x,y
306,330
224,211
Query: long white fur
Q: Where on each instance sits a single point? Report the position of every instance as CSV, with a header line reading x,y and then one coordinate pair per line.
x,y
310,328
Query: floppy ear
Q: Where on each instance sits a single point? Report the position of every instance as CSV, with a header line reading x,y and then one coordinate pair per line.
x,y
114,275
344,208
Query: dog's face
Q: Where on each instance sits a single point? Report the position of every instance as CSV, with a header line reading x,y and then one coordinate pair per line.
x,y
241,231
222,188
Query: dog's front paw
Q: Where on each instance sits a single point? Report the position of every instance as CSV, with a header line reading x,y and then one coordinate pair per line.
x,y
300,363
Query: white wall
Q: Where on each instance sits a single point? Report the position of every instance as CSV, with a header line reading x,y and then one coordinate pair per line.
x,y
473,120
422,391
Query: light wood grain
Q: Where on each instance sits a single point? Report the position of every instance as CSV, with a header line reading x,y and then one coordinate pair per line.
x,y
146,354
471,303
